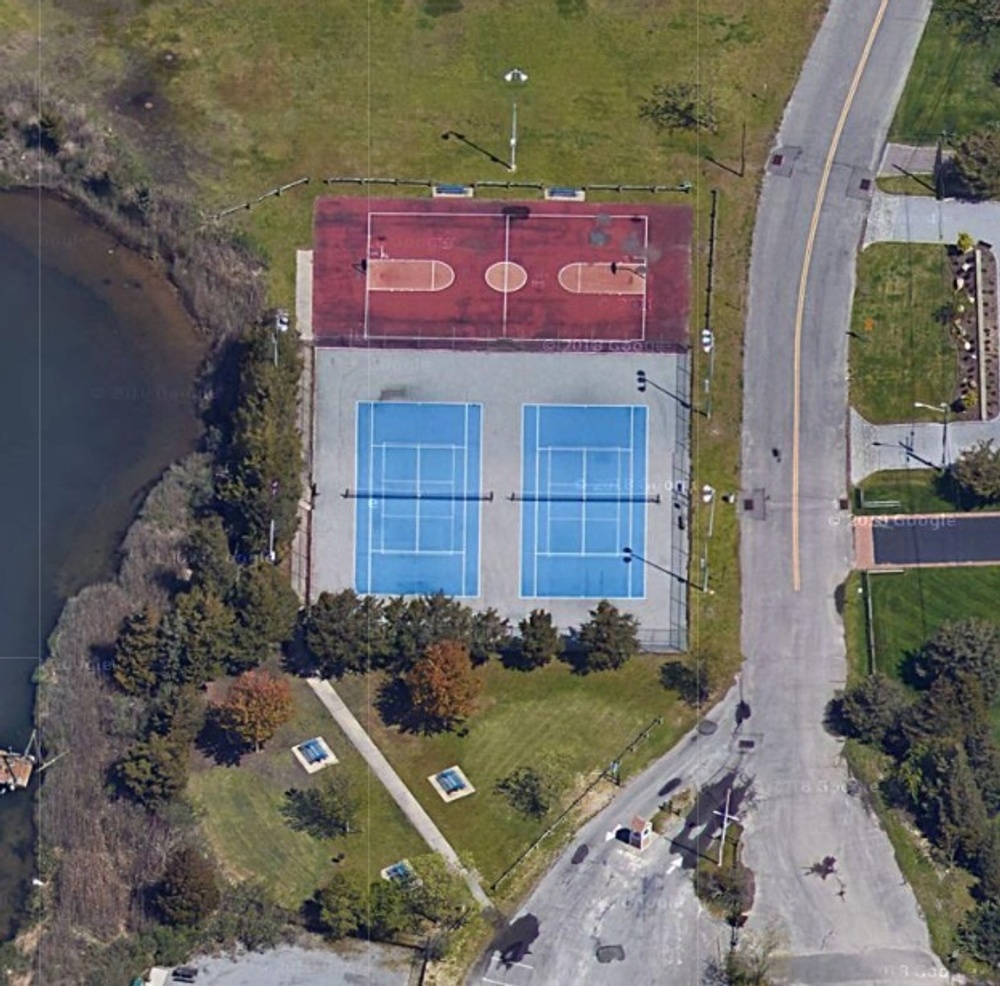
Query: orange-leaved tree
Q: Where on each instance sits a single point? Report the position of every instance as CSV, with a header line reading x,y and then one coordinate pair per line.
x,y
442,684
258,704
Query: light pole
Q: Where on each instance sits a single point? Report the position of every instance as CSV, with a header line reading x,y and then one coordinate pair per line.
x,y
941,409
628,556
517,77
642,381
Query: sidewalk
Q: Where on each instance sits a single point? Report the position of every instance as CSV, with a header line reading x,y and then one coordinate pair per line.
x,y
912,446
392,782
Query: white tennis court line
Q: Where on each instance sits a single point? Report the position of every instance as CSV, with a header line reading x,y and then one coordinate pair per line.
x,y
465,502
371,478
538,506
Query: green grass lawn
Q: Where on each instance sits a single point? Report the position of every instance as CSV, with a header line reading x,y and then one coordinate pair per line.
x,y
910,606
949,87
906,185
899,353
578,722
240,809
913,491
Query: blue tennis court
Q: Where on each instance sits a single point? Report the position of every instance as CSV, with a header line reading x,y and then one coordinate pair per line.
x,y
418,498
584,499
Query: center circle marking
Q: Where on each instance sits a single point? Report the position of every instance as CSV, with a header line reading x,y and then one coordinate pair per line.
x,y
506,277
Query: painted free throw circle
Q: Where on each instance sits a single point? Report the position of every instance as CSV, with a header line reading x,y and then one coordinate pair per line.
x,y
505,276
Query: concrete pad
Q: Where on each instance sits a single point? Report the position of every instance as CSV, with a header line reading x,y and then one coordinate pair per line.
x,y
354,962
502,383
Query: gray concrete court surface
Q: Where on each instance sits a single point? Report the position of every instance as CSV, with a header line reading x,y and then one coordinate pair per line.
x,y
502,383
356,964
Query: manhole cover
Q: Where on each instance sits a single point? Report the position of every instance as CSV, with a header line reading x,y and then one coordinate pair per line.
x,y
706,727
866,183
748,504
610,953
778,160
747,744
580,855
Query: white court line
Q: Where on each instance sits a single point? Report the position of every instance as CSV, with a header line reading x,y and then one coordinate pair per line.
x,y
465,502
538,506
415,214
371,479
645,281
423,552
413,445
368,252
506,274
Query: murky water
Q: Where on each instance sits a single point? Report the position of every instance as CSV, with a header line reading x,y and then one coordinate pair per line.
x,y
97,367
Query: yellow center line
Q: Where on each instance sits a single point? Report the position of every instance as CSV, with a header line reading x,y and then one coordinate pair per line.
x,y
804,279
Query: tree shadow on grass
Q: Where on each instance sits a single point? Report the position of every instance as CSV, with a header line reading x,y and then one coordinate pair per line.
x,y
218,743
396,709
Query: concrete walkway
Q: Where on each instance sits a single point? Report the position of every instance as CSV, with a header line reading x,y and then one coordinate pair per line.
x,y
927,445
392,782
922,219
917,160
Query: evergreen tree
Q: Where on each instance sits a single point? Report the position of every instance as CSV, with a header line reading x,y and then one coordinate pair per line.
x,y
212,566
608,639
189,892
539,640
489,636
153,772
267,610
136,653
263,457
346,632
198,638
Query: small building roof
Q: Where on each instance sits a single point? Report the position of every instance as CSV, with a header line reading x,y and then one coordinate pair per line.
x,y
638,823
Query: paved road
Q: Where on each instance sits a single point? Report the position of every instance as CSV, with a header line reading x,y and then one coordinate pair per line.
x,y
393,783
863,926
793,640
602,894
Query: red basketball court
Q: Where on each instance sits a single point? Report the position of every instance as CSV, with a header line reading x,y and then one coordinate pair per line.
x,y
487,274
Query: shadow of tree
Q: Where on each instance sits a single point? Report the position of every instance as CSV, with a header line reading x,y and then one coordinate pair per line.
x,y
301,812
218,743
396,709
